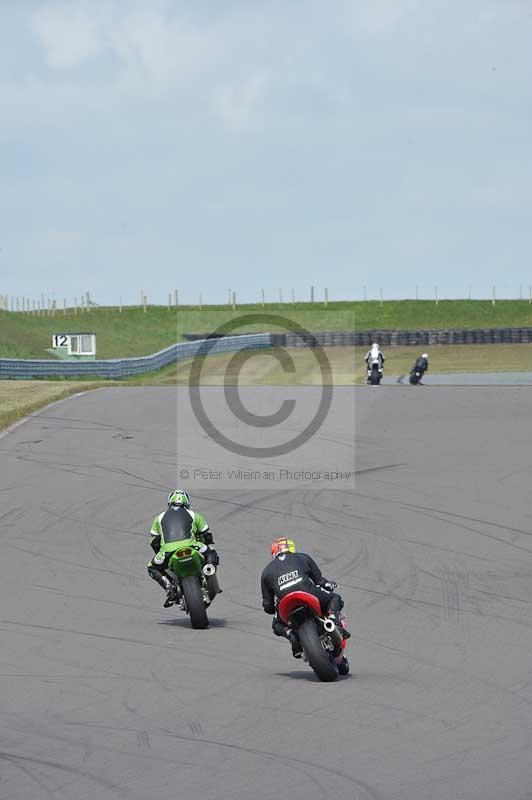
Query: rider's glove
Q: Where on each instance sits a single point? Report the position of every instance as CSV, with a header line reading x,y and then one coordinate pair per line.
x,y
329,586
206,537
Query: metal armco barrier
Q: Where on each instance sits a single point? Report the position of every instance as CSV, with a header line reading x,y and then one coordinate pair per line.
x,y
26,369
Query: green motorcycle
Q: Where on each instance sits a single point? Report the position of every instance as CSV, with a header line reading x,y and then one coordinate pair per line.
x,y
196,580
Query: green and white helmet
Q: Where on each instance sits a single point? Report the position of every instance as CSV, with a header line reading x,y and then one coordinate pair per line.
x,y
179,498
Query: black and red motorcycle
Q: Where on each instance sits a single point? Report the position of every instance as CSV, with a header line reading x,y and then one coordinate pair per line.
x,y
321,639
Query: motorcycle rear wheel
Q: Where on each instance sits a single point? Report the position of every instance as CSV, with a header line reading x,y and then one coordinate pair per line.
x,y
195,603
325,669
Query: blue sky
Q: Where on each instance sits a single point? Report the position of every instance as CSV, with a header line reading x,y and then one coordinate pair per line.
x,y
243,144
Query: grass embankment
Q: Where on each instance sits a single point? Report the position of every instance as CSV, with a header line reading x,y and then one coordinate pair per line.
x,y
19,398
134,332
347,365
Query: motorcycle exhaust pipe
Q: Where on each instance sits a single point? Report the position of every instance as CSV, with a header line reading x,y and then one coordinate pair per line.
x,y
208,570
330,628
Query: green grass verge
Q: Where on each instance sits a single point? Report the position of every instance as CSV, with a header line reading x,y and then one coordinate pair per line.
x,y
134,332
347,365
20,398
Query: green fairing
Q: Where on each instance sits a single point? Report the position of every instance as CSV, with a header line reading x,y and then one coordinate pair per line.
x,y
182,566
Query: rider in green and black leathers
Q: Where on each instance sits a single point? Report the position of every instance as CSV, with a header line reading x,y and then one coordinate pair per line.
x,y
177,523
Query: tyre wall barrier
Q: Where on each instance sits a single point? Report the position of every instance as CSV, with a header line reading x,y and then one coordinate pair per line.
x,y
418,338
26,369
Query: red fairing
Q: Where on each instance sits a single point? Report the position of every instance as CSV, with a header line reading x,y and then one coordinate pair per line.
x,y
296,599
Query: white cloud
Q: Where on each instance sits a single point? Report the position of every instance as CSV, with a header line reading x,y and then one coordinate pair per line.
x,y
154,51
237,103
379,16
70,33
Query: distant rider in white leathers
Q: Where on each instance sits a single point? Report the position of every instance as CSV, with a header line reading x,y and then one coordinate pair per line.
x,y
375,354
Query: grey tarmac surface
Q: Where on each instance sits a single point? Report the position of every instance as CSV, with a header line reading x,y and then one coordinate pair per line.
x,y
468,379
105,694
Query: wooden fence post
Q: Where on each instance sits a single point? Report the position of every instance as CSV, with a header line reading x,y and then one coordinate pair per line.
x,y
493,298
436,295
312,294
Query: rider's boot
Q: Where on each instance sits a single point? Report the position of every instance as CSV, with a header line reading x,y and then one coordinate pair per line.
x,y
172,595
339,620
293,638
343,666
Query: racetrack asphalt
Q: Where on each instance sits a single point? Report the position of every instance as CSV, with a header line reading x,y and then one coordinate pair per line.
x,y
105,694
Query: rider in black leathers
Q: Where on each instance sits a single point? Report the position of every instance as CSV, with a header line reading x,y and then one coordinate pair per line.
x,y
288,572
422,363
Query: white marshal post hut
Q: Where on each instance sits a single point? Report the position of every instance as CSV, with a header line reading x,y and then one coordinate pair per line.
x,y
74,346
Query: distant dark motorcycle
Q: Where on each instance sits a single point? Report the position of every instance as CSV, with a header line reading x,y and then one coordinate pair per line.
x,y
419,369
416,375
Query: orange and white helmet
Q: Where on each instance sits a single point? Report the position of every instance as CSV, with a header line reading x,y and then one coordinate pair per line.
x,y
282,545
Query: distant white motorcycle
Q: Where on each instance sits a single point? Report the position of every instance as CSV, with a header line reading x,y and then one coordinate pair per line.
x,y
375,371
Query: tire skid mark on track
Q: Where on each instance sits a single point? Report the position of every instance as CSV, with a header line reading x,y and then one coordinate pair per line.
x,y
468,528
78,773
364,792
442,692
58,560
423,660
416,601
78,596
143,743
115,638
470,519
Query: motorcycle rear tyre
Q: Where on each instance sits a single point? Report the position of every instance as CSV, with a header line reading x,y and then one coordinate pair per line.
x,y
326,670
195,603
213,587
